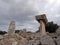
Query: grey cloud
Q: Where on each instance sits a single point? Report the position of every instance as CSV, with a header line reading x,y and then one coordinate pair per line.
x,y
23,12
14,12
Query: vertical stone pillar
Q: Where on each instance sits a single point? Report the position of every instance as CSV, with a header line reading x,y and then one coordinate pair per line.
x,y
11,29
42,28
42,20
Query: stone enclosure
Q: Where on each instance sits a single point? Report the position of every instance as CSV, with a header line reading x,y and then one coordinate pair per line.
x,y
29,38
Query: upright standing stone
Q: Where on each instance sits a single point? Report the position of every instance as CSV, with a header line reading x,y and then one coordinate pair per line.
x,y
11,29
42,20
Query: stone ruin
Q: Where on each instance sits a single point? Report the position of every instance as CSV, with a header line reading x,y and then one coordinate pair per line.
x,y
42,20
29,38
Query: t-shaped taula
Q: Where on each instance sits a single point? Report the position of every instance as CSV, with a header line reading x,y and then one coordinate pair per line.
x,y
11,29
43,21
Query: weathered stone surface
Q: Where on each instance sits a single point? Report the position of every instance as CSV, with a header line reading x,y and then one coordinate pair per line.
x,y
11,29
1,37
42,20
46,40
58,32
23,41
58,40
41,17
33,42
58,36
23,33
12,39
53,35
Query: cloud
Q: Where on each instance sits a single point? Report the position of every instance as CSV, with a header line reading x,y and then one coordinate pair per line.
x,y
24,12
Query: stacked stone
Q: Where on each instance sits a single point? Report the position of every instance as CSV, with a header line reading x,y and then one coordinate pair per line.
x,y
58,36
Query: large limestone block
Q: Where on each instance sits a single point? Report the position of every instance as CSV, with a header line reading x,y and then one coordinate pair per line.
x,y
10,41
23,33
23,41
58,31
46,40
41,17
1,42
33,42
1,37
58,40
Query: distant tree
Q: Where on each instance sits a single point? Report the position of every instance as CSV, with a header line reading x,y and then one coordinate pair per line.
x,y
51,27
2,32
17,31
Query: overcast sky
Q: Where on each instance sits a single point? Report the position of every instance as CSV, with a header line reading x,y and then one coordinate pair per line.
x,y
24,12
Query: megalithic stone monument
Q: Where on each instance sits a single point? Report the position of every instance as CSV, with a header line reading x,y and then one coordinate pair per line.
x,y
42,20
11,29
